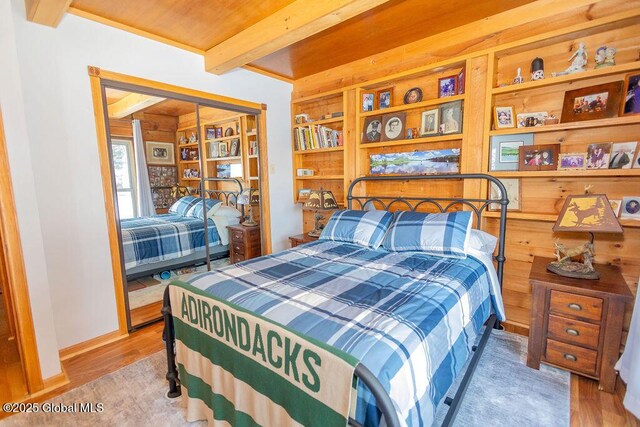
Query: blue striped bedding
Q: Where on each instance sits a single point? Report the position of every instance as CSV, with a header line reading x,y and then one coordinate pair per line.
x,y
410,318
163,237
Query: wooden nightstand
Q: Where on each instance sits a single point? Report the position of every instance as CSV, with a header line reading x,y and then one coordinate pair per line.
x,y
244,243
577,324
299,239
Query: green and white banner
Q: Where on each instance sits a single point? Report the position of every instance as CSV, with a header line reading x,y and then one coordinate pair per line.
x,y
239,368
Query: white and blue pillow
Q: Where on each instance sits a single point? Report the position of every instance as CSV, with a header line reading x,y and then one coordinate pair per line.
x,y
196,210
441,234
365,228
183,204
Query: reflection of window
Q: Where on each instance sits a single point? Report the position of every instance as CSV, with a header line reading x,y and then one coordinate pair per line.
x,y
236,170
123,169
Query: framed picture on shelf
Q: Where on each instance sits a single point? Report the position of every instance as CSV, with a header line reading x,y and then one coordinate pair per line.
x,y
636,162
368,101
430,124
193,154
503,117
593,102
213,149
539,157
622,155
461,77
451,117
303,194
429,162
223,170
223,150
512,185
160,153
301,118
630,207
598,155
393,126
572,161
228,131
385,98
184,154
505,151
234,151
631,100
372,130
615,206
448,86
413,95
218,132
527,120
210,133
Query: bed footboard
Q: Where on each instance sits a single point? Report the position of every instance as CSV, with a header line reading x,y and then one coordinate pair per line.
x,y
169,342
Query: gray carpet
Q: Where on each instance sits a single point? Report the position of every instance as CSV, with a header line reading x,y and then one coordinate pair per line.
x,y
504,392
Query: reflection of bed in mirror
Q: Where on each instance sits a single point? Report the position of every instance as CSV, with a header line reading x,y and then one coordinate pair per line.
x,y
179,238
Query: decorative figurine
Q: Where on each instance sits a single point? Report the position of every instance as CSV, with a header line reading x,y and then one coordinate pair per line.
x,y
605,57
519,78
193,138
537,69
566,267
579,61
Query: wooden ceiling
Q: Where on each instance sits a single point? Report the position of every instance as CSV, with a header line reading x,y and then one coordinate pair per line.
x,y
289,38
166,107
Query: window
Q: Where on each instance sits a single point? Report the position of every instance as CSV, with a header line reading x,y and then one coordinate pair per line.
x,y
124,171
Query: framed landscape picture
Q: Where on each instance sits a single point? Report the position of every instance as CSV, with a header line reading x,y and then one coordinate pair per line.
x,y
505,149
591,103
432,162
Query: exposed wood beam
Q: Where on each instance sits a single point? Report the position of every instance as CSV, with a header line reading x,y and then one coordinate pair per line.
x,y
132,103
46,12
289,25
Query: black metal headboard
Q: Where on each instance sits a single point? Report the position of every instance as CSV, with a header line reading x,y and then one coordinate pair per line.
x,y
442,204
228,197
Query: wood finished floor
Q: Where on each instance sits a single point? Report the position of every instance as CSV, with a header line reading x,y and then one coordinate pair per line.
x,y
589,406
144,314
12,382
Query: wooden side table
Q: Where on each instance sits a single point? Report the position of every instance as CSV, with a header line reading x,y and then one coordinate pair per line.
x,y
299,239
576,324
244,243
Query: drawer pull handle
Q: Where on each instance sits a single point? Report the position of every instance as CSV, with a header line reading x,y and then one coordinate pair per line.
x,y
570,357
573,332
574,306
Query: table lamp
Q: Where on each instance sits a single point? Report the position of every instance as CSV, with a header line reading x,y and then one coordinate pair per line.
x,y
319,200
588,213
249,197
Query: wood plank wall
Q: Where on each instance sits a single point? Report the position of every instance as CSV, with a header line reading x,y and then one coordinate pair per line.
x,y
526,239
155,127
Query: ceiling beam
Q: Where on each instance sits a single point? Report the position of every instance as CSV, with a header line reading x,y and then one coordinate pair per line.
x,y
132,103
289,25
46,12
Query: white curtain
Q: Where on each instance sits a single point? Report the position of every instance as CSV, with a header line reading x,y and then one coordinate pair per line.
x,y
629,363
145,198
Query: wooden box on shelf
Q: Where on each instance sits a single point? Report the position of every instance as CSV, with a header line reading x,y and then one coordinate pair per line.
x,y
577,324
244,243
299,239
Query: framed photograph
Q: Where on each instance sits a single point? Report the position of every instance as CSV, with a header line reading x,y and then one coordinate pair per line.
x,y
393,126
385,98
448,86
512,185
505,150
615,206
631,100
301,118
539,157
461,77
213,150
593,102
636,162
430,124
504,117
160,153
527,120
303,194
413,95
223,150
572,161
210,133
451,117
622,155
598,155
234,151
630,207
218,132
228,131
194,154
368,101
372,130
430,162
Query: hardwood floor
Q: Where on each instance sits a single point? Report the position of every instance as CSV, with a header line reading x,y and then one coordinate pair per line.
x,y
589,406
12,381
146,313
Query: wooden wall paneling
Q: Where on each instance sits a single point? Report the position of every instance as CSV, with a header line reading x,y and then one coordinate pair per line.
x,y
350,103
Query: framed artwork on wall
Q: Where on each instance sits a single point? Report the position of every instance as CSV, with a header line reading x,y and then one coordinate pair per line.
x,y
160,153
504,151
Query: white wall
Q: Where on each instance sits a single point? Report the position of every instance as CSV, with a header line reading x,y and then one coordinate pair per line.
x,y
62,138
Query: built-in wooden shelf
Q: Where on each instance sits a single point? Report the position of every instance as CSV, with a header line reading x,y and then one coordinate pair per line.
x,y
190,144
252,156
253,133
547,217
567,173
189,161
435,138
222,159
190,179
224,138
253,178
319,122
415,105
549,81
319,150
614,121
320,177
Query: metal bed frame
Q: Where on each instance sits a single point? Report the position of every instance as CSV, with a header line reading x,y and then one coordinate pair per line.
x,y
441,204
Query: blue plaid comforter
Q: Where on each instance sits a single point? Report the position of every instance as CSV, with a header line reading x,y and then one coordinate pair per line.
x,y
163,237
410,318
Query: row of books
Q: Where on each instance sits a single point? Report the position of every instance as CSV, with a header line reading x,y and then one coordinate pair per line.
x,y
316,136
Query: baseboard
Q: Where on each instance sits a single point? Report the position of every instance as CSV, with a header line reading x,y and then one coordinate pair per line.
x,y
93,343
516,328
53,382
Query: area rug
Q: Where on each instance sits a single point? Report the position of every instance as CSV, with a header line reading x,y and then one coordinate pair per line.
x,y
503,392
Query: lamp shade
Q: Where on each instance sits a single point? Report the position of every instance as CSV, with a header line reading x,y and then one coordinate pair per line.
x,y
590,213
321,199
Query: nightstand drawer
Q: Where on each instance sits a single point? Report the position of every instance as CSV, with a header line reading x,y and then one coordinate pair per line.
x,y
567,304
237,236
237,247
574,331
572,357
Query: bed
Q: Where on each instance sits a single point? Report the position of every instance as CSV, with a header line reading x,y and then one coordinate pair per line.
x,y
408,319
177,239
